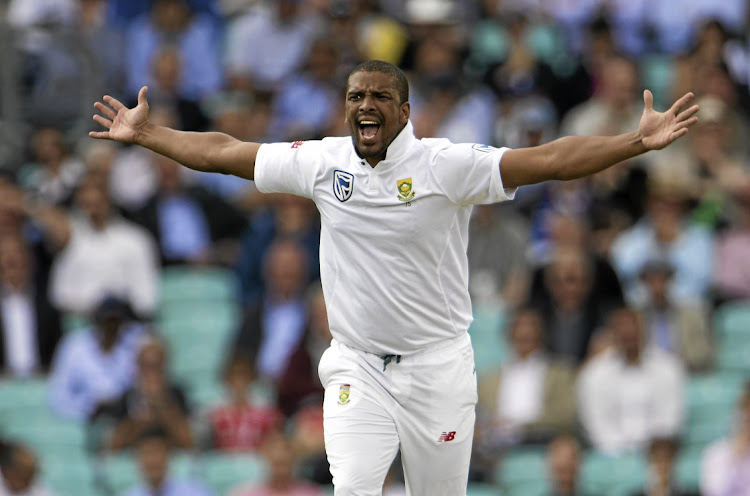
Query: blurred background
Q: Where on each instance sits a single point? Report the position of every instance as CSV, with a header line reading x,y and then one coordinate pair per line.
x,y
160,329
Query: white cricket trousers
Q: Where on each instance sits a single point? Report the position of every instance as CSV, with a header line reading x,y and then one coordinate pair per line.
x,y
421,403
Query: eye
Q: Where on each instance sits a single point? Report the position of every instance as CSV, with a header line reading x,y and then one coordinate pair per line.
x,y
354,98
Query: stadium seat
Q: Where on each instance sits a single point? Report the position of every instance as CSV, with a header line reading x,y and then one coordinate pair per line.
x,y
612,475
487,337
198,284
688,470
732,328
23,395
523,471
711,400
118,472
223,471
42,430
68,473
476,489
657,73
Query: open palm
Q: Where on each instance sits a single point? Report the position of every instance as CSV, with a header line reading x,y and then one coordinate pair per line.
x,y
658,129
123,124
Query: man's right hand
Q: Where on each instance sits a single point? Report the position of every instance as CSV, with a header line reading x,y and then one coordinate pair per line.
x,y
123,124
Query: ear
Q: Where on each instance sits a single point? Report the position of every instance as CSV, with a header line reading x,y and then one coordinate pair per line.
x,y
404,113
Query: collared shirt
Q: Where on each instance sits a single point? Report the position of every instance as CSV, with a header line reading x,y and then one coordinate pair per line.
x,y
83,374
623,406
172,487
21,347
521,395
183,227
119,259
393,238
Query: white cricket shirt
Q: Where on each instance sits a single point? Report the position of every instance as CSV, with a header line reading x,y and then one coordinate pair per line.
x,y
393,238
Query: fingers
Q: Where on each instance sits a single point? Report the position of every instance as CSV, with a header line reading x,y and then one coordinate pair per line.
x,y
686,123
114,103
105,110
679,134
142,96
648,99
104,122
681,103
99,134
685,114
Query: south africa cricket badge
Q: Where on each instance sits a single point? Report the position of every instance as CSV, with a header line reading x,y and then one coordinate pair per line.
x,y
344,394
405,193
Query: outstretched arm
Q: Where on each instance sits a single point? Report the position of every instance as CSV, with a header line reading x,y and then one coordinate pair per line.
x,y
579,156
206,152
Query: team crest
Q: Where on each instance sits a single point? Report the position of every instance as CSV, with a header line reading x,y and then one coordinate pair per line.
x,y
484,148
344,394
405,193
343,185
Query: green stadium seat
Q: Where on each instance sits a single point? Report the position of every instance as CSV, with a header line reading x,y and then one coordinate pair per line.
x,y
688,470
198,284
119,472
482,490
711,400
488,338
23,395
223,471
657,73
732,328
42,430
523,471
69,473
615,475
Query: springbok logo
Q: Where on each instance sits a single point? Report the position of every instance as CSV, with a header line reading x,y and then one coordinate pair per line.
x,y
405,193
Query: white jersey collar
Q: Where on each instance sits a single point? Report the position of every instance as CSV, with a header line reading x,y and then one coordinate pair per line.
x,y
398,148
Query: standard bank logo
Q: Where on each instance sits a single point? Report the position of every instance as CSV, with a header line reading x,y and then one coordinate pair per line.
x,y
484,148
343,185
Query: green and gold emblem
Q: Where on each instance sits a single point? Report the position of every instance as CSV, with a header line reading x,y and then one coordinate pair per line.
x,y
405,192
344,394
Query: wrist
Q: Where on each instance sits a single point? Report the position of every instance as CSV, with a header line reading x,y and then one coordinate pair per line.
x,y
144,133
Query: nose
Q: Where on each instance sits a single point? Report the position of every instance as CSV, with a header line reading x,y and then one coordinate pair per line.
x,y
367,103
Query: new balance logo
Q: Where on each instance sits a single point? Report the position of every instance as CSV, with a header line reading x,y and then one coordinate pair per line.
x,y
447,436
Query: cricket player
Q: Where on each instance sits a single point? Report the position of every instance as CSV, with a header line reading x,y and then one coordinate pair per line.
x,y
395,213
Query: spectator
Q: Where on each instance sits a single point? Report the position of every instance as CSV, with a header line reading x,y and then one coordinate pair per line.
x,y
241,424
104,41
630,394
29,325
19,472
152,452
55,173
153,402
568,308
280,457
531,398
166,68
665,232
662,454
290,217
563,462
674,327
498,266
193,34
614,108
725,468
105,255
732,273
190,224
273,329
281,36
300,385
304,105
97,364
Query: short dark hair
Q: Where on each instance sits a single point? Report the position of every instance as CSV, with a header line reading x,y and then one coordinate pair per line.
x,y
397,75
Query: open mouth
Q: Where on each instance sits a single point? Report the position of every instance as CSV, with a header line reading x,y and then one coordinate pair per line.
x,y
368,130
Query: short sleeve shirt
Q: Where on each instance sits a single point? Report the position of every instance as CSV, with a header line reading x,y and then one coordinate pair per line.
x,y
393,238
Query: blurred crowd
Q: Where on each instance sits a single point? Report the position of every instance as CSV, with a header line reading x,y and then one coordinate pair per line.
x,y
607,288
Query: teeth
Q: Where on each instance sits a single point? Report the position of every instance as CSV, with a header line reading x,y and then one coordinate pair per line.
x,y
368,123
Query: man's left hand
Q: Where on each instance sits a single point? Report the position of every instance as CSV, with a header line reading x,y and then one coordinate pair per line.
x,y
658,129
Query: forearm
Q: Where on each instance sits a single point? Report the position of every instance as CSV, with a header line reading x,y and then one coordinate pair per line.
x,y
204,152
581,156
568,158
